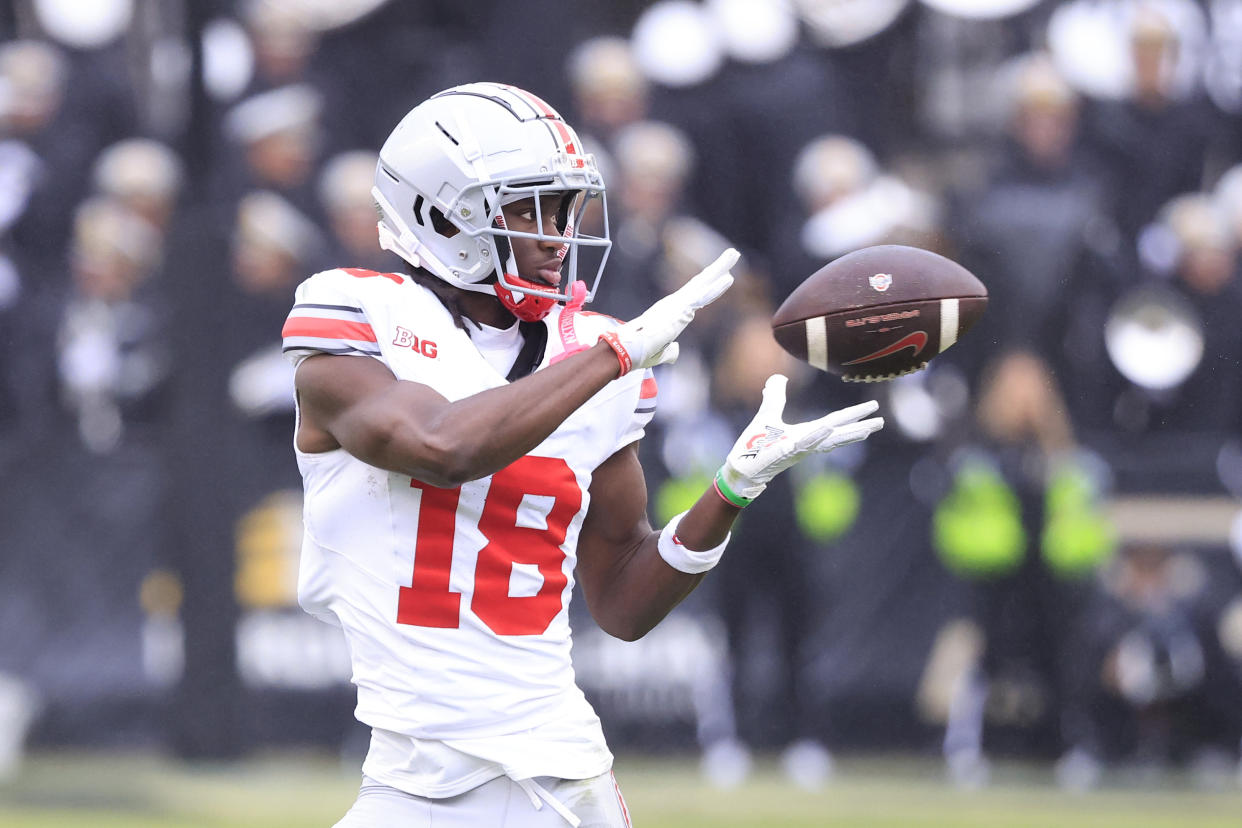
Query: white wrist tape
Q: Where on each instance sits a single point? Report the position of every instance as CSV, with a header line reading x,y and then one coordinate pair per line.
x,y
687,560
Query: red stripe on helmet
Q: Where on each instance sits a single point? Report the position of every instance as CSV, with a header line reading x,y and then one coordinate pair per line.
x,y
536,102
568,143
567,137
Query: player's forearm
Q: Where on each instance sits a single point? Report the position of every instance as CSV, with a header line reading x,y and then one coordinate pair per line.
x,y
645,587
708,522
481,434
641,593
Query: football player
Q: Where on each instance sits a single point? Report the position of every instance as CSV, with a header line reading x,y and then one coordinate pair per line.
x,y
467,438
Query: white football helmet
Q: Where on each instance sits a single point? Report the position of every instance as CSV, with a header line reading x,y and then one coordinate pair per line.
x,y
449,166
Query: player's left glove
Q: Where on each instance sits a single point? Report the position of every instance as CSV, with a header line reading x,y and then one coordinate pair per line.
x,y
769,445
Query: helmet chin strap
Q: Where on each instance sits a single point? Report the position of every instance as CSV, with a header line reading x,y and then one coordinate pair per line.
x,y
525,306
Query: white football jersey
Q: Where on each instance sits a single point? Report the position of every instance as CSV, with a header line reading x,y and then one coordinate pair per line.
x,y
454,602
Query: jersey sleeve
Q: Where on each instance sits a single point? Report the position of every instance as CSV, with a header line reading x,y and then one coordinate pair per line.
x,y
644,410
587,326
328,318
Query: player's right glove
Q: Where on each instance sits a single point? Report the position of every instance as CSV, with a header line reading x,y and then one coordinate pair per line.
x,y
649,339
769,445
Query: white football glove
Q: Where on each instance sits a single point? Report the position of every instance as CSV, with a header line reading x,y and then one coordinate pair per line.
x,y
649,339
769,445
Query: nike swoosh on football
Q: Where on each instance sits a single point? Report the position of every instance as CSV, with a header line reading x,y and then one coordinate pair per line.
x,y
915,339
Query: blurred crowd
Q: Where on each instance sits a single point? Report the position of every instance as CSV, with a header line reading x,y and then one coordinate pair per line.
x,y
967,583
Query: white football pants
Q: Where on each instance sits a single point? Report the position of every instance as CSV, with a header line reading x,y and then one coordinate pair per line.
x,y
542,802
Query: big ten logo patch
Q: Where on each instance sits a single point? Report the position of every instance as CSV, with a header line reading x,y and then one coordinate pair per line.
x,y
407,339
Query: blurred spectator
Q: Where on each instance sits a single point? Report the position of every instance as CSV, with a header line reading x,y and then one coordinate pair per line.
x,y
1020,524
38,158
608,89
741,82
233,418
282,42
110,357
836,171
959,48
145,175
874,47
827,171
1205,271
769,105
845,200
274,245
1040,187
64,106
1154,143
1168,689
657,242
34,74
295,46
279,134
19,168
345,195
1145,376
651,163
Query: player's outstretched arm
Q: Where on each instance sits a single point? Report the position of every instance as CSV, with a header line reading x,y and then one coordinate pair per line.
x,y
633,576
627,585
409,428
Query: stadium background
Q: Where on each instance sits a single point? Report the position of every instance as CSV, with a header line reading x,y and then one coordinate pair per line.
x,y
1034,561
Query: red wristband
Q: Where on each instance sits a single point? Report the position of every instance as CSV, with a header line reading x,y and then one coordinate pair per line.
x,y
623,356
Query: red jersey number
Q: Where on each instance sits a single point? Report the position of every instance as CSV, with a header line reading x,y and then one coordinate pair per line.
x,y
428,601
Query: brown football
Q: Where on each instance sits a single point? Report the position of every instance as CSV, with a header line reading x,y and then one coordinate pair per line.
x,y
879,312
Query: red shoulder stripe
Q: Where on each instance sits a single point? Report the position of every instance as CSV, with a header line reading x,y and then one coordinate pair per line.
x,y
328,328
363,273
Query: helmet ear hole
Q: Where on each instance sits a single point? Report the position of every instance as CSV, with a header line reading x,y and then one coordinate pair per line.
x,y
440,222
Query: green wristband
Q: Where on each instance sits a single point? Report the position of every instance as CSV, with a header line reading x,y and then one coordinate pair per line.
x,y
730,496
